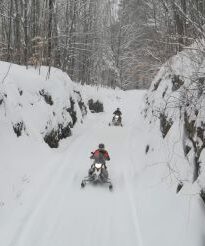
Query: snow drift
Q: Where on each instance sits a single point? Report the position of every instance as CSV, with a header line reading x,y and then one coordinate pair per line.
x,y
175,108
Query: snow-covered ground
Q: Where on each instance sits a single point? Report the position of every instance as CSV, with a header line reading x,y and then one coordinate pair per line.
x,y
41,202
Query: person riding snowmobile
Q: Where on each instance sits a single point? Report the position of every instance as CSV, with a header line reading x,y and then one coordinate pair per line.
x,y
98,172
118,113
100,156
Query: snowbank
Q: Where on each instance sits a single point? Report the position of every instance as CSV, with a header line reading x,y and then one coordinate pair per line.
x,y
36,105
175,108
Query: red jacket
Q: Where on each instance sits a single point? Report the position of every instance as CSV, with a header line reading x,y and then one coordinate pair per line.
x,y
98,151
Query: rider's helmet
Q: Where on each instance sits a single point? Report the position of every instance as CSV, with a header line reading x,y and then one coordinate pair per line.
x,y
101,146
118,109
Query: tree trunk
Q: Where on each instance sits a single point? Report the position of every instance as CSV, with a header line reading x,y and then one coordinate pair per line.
x,y
50,29
17,34
9,32
26,32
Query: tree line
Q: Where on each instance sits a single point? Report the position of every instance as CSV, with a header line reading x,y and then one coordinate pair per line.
x,y
111,42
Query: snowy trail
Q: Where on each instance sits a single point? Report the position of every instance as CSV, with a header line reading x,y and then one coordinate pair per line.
x,y
69,215
142,210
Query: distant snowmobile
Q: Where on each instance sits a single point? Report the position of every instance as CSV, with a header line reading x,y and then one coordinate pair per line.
x,y
117,119
98,172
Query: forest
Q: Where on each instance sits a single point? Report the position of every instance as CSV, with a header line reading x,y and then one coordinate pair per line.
x,y
117,43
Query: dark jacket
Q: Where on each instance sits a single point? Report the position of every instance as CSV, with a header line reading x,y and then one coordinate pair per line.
x,y
117,112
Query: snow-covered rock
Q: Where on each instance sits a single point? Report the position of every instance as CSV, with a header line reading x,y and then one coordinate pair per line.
x,y
37,104
175,106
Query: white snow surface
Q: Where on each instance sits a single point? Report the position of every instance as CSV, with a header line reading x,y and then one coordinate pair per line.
x,y
41,202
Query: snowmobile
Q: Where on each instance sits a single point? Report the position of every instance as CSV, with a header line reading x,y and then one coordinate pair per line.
x,y
116,121
97,174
